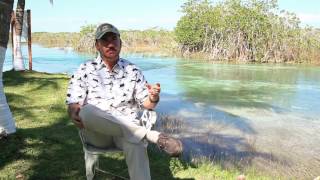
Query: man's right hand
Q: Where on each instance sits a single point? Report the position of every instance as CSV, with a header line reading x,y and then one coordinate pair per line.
x,y
73,111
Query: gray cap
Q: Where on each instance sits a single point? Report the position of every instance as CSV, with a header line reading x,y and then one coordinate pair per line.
x,y
105,28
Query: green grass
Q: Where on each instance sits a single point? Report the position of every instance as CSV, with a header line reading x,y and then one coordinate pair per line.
x,y
47,146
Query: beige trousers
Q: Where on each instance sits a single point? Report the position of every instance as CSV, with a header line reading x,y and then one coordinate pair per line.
x,y
103,130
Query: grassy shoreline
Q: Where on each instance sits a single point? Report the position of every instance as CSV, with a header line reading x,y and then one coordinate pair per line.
x,y
148,43
47,146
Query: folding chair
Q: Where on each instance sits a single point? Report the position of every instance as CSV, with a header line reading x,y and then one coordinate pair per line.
x,y
91,153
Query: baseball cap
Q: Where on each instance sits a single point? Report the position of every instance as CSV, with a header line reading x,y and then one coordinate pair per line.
x,y
105,28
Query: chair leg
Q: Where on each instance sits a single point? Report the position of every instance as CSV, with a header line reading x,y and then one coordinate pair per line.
x,y
91,162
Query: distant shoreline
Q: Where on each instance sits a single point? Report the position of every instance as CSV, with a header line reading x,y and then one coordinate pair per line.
x,y
145,45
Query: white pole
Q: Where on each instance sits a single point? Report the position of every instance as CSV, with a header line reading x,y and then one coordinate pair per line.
x,y
6,120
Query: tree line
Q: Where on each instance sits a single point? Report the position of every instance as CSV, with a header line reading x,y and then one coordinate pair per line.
x,y
229,30
245,30
153,40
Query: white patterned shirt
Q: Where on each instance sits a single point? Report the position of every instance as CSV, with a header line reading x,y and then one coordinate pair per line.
x,y
120,90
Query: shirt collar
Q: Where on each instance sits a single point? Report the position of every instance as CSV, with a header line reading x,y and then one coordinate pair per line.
x,y
118,68
98,62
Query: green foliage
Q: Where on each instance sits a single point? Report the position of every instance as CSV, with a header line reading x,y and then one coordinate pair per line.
x,y
149,37
247,30
87,29
153,40
191,28
61,39
149,40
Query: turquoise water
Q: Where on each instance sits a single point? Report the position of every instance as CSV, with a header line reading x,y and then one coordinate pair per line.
x,y
277,87
52,60
228,109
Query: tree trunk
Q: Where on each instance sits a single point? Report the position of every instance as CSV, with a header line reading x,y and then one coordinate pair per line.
x,y
18,63
6,121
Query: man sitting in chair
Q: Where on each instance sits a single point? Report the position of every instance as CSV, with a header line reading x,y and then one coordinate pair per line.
x,y
104,97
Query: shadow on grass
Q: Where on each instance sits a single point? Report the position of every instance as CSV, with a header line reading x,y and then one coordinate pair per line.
x,y
55,152
161,165
227,151
13,78
22,100
47,148
50,148
52,152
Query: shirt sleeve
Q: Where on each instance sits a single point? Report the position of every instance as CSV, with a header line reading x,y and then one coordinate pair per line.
x,y
77,88
141,91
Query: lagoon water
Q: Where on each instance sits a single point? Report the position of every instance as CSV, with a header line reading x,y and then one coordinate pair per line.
x,y
261,115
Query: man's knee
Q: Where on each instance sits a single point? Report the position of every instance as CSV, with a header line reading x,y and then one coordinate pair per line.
x,y
96,120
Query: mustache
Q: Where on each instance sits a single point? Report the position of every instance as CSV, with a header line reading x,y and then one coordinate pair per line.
x,y
112,48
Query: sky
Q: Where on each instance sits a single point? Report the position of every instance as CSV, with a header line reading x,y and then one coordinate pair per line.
x,y
70,15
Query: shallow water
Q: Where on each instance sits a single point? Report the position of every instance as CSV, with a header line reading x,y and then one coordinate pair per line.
x,y
261,115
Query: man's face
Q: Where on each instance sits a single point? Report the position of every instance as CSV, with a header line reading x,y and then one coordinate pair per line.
x,y
109,46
